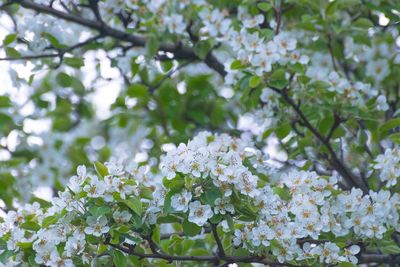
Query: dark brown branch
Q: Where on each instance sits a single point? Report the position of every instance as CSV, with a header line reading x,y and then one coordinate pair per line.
x,y
215,259
59,54
207,230
220,247
278,16
330,48
30,57
337,164
378,258
179,51
168,75
210,258
336,123
367,149
94,6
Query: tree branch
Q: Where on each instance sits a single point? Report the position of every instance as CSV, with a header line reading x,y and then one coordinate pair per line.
x,y
207,230
336,122
179,51
210,258
337,164
221,251
278,16
330,48
378,258
168,75
59,54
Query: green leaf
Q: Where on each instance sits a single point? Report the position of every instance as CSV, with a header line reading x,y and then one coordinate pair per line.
x,y
363,23
134,204
202,48
347,3
297,68
385,128
278,79
9,39
136,90
99,211
264,6
74,62
64,79
254,81
211,194
326,124
320,85
283,130
156,234
49,221
236,65
282,192
167,65
339,132
5,255
62,123
134,68
231,224
78,86
5,101
115,236
31,77
100,168
170,218
175,245
388,247
395,138
346,264
119,259
53,40
146,193
12,53
175,185
391,249
190,229
30,226
43,203
152,46
24,245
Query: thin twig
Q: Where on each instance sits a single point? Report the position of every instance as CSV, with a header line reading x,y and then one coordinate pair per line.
x,y
179,51
278,16
221,251
335,161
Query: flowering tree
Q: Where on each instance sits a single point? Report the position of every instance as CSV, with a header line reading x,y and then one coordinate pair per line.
x,y
241,132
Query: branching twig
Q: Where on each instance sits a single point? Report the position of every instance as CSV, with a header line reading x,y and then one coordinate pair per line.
x,y
330,48
221,251
168,75
60,52
337,120
335,161
209,258
278,16
179,51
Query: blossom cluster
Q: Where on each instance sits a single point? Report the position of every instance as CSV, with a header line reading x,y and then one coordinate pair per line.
x,y
220,157
213,178
71,218
39,29
216,184
50,164
376,56
357,93
315,207
388,165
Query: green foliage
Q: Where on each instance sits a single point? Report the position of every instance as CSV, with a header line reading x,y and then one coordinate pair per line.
x,y
175,86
